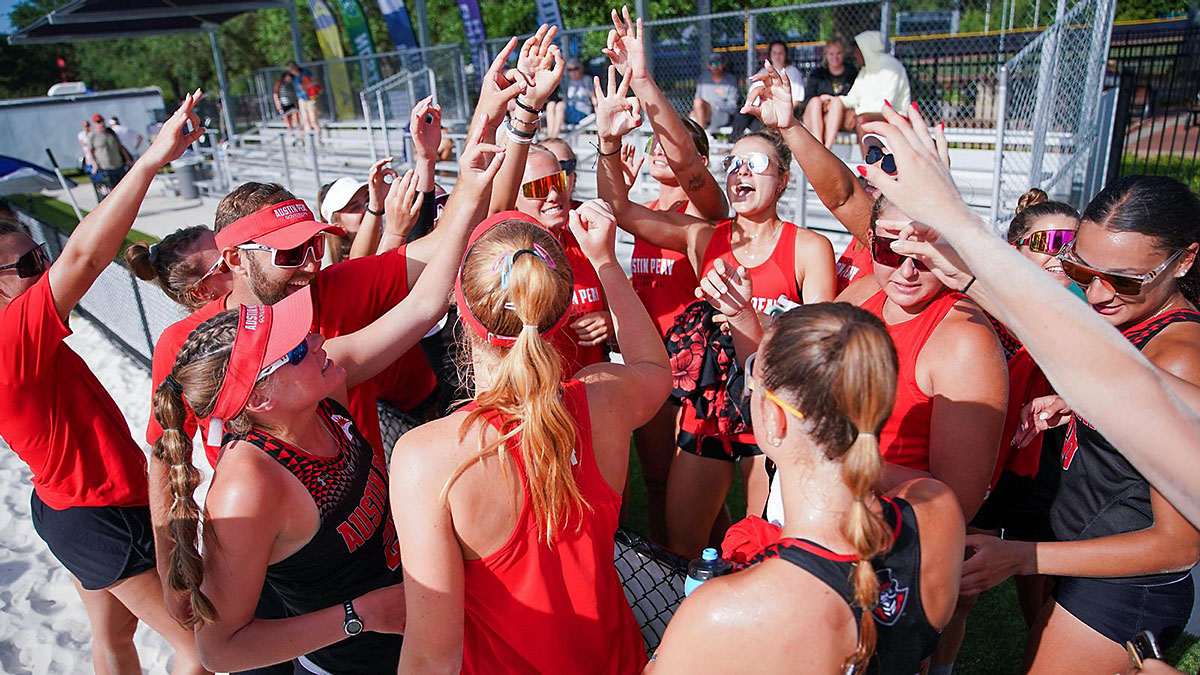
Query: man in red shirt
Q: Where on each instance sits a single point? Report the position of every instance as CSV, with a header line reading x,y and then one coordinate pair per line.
x,y
89,502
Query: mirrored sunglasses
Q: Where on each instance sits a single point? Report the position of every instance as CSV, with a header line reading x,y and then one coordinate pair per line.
x,y
756,161
539,188
1119,282
1049,242
293,357
652,144
31,264
291,258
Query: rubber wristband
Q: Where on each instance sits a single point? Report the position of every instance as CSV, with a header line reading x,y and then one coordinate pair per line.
x,y
968,286
521,134
373,212
526,107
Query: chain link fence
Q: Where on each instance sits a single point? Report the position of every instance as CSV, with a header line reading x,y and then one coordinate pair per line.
x,y
1049,93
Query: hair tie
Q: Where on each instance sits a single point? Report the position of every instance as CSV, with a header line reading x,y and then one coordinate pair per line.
x,y
868,434
504,263
531,325
152,253
171,382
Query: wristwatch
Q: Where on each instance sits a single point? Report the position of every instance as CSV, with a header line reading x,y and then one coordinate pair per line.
x,y
353,625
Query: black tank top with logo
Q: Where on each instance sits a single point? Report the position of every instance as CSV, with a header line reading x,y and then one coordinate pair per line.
x,y
905,637
1100,493
355,549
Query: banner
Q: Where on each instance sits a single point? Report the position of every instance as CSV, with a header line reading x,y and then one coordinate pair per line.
x,y
476,36
360,40
399,24
344,103
549,14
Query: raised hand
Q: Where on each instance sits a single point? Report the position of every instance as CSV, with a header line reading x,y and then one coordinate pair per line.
x,y
541,62
728,290
592,329
770,98
173,139
425,123
403,205
377,182
631,164
616,113
595,228
922,187
922,243
476,170
499,86
626,45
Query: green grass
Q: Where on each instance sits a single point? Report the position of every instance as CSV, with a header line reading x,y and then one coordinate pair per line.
x,y
996,633
1185,169
60,214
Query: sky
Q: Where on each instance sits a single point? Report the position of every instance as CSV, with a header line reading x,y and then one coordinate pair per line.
x,y
6,7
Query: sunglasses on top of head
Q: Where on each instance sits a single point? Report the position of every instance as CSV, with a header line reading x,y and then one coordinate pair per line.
x,y
291,258
757,162
32,263
293,357
567,165
1121,283
876,153
539,188
1049,242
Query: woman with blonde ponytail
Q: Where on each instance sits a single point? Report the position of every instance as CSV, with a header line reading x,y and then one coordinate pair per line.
x,y
506,510
853,580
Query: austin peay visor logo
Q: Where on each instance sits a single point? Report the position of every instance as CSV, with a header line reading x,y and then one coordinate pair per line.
x,y
892,598
255,315
292,212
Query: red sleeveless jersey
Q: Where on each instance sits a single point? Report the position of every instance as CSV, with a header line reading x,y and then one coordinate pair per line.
x,y
776,276
663,279
905,437
854,264
533,607
587,297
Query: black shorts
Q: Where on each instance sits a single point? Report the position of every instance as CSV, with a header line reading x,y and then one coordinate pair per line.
x,y
1120,611
289,108
1020,505
714,447
100,545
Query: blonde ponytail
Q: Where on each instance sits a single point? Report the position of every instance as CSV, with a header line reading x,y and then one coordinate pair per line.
x,y
526,388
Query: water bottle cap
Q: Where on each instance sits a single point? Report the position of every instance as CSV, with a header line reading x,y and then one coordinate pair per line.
x,y
709,554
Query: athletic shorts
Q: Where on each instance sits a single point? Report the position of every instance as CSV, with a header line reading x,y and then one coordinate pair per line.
x,y
714,447
99,545
308,105
1120,611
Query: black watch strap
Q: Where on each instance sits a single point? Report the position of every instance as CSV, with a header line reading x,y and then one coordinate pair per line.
x,y
353,625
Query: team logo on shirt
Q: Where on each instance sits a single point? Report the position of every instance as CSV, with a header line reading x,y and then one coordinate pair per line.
x,y
346,426
1071,445
892,598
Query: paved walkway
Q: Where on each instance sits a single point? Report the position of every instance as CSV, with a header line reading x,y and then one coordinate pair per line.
x,y
161,213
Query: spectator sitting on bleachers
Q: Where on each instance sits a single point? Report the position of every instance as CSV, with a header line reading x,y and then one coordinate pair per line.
x,y
882,81
716,99
824,84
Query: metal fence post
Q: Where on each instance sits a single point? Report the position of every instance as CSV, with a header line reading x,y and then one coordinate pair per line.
x,y
287,172
1001,117
751,45
383,123
1045,103
885,14
312,157
362,98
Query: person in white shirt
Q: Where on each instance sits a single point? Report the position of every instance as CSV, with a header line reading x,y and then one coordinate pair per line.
x,y
129,138
882,81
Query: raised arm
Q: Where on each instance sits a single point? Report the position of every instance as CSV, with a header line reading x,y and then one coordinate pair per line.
x,y
540,68
642,382
366,352
425,123
627,50
95,242
366,240
616,115
1164,447
401,209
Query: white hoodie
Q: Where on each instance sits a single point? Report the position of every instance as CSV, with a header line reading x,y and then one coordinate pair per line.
x,y
882,78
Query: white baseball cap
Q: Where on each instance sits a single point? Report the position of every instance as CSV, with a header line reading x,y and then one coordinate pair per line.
x,y
340,193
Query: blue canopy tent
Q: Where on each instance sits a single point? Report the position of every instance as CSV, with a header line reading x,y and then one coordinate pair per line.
x,y
20,177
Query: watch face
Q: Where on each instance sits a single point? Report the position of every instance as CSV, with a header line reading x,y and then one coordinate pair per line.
x,y
354,626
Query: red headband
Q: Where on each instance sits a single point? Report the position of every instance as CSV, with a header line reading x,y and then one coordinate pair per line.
x,y
284,225
464,310
265,333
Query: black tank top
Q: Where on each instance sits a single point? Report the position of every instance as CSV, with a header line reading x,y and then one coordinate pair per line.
x,y
905,637
355,549
1100,493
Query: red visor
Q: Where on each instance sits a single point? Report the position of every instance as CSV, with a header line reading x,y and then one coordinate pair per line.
x,y
265,333
464,310
282,226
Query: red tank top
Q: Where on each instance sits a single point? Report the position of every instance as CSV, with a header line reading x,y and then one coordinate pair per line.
x,y
905,437
776,276
537,608
854,264
587,297
662,278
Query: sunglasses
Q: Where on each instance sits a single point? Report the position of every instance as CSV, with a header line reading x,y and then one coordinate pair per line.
x,y
293,357
1049,242
31,264
291,258
652,144
715,63
539,188
567,165
882,253
1119,282
756,161
876,153
752,386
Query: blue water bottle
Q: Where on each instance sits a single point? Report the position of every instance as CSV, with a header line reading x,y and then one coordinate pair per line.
x,y
707,566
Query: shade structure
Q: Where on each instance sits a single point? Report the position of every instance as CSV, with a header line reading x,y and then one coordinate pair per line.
x,y
20,177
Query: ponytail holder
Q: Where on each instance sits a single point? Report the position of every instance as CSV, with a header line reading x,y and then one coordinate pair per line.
x,y
531,325
171,382
504,263
867,434
152,253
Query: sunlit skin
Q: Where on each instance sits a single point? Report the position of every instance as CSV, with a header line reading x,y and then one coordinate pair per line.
x,y
907,288
316,378
751,194
1130,253
13,246
350,216
835,58
202,255
553,211
268,283
778,56
1048,262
